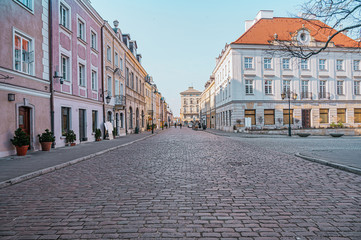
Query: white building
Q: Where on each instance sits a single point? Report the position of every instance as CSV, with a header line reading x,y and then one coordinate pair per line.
x,y
251,74
190,100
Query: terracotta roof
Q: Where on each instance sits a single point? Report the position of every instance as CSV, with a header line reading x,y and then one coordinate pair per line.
x,y
262,32
191,90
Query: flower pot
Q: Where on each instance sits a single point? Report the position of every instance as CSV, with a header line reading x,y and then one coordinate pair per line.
x,y
21,151
98,139
72,144
45,146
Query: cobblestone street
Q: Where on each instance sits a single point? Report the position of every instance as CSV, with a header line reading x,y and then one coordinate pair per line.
x,y
186,184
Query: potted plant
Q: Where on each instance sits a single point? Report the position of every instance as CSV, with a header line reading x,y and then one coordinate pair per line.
x,y
98,134
21,141
70,137
148,127
235,128
46,139
136,130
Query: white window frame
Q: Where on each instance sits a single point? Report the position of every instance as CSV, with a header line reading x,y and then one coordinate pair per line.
x,y
357,87
116,87
322,64
63,4
339,65
356,65
31,52
93,39
304,64
267,63
67,67
121,63
109,86
286,64
109,53
29,6
94,80
80,35
286,87
249,86
247,64
116,58
81,77
268,87
323,88
340,87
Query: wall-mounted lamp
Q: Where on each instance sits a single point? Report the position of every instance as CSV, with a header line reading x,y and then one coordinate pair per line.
x,y
11,97
56,75
108,98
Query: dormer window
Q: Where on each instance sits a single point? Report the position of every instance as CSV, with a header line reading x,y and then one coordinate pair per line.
x,y
303,37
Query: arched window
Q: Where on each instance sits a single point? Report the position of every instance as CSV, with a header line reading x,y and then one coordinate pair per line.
x,y
130,117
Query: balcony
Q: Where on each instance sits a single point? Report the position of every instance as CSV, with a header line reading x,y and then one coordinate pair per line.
x,y
119,101
324,95
306,95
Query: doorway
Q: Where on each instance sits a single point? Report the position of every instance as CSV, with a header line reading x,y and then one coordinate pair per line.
x,y
24,121
82,125
306,118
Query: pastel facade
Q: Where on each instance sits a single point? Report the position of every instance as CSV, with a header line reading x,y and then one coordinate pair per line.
x,y
190,100
250,77
76,32
207,104
24,71
114,53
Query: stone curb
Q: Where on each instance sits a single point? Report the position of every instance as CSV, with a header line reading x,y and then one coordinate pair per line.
x,y
28,176
331,164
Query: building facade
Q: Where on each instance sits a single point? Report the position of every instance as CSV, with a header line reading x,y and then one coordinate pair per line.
x,y
207,104
252,73
114,52
24,71
190,99
76,56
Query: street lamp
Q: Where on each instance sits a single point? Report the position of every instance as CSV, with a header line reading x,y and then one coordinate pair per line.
x,y
108,98
289,95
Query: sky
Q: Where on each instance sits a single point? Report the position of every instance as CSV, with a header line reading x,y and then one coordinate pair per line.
x,y
180,39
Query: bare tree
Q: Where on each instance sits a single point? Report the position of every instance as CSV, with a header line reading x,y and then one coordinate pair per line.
x,y
336,17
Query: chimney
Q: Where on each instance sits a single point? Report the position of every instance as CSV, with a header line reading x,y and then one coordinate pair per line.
x,y
262,14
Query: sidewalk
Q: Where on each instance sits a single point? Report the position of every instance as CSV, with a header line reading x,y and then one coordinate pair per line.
x,y
14,169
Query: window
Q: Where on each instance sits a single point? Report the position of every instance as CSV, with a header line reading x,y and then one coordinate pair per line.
x,y
116,87
65,120
339,87
136,84
286,86
267,63
356,87
339,65
109,54
287,115
121,64
356,65
304,86
127,76
65,67
322,64
94,81
249,86
81,75
26,3
304,64
322,89
230,117
248,63
132,80
357,115
64,16
81,30
94,120
251,113
23,54
116,59
286,63
341,115
269,116
323,115
109,86
93,40
268,86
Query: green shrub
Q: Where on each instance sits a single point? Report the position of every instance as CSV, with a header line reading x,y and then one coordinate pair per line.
x,y
46,136
20,139
70,136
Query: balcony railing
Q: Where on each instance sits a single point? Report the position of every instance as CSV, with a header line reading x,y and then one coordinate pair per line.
x,y
324,95
119,101
306,95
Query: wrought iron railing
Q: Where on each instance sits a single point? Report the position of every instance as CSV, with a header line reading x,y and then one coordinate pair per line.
x,y
119,100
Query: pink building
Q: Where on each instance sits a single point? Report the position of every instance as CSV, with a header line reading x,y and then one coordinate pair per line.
x,y
24,71
76,56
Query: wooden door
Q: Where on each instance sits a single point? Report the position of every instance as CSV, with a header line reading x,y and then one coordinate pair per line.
x,y
24,119
306,118
82,125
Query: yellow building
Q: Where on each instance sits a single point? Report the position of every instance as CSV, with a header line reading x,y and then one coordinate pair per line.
x,y
189,112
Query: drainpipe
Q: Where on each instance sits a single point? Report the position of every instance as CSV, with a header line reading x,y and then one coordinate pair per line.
x,y
50,31
102,72
125,93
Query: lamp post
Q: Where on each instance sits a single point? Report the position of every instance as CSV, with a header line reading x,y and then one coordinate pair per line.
x,y
289,95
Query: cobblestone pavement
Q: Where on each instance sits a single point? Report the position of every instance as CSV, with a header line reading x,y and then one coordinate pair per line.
x,y
186,184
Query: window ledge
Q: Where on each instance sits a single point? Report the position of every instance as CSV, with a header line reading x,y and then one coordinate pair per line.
x,y
82,41
65,29
25,7
94,50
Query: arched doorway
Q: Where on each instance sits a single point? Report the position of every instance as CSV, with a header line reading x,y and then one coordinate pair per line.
x,y
137,118
130,118
116,124
110,116
121,120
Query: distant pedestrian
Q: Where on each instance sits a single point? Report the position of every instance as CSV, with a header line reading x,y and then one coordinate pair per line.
x,y
180,125
175,125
